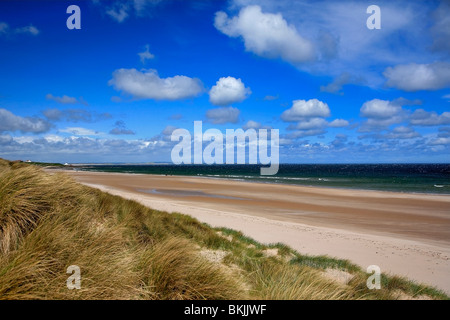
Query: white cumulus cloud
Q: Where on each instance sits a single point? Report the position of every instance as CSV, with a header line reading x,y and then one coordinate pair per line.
x,y
302,109
313,123
380,109
147,84
338,123
381,114
415,77
266,34
228,91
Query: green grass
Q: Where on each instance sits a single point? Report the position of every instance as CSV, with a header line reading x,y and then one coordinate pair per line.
x,y
324,262
128,251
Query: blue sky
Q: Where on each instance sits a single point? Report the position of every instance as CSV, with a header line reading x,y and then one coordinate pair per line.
x,y
115,90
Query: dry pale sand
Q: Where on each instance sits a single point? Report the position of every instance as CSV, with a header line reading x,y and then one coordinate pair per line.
x,y
404,234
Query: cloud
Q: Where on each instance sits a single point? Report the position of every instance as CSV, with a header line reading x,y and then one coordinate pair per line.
x,y
379,109
147,84
305,133
165,136
118,12
341,41
168,130
381,114
84,149
328,45
336,85
5,139
439,141
6,30
308,124
141,6
338,123
146,55
402,132
53,138
379,124
266,34
74,115
11,122
79,131
4,27
313,127
254,125
440,31
29,29
227,91
421,117
121,10
398,133
63,100
270,98
415,77
251,125
121,129
310,117
444,132
406,102
223,115
53,114
341,149
340,141
302,109
176,116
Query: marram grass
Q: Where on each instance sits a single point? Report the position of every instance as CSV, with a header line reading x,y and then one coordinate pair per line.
x,y
125,250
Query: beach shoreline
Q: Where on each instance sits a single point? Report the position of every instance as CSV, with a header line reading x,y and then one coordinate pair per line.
x,y
404,234
257,179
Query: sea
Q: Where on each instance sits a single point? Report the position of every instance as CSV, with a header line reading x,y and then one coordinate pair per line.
x,y
409,178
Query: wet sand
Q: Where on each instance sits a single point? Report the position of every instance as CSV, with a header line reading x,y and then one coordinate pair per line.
x,y
404,234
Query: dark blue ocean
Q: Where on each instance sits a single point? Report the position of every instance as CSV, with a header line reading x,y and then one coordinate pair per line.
x,y
417,178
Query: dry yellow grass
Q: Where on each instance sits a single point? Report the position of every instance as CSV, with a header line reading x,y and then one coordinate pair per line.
x,y
190,277
49,222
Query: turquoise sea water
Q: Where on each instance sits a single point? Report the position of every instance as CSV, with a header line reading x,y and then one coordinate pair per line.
x,y
422,178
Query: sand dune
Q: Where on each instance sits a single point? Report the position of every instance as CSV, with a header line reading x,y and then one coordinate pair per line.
x,y
404,234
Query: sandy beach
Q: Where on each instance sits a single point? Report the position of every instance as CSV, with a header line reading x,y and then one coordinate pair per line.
x,y
403,234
